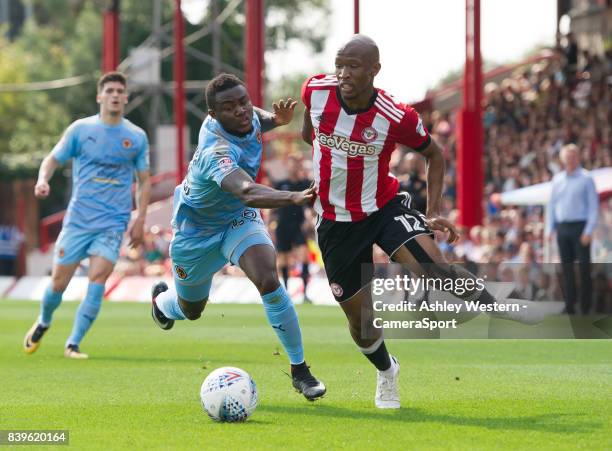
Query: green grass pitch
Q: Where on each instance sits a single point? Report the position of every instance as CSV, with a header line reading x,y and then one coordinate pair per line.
x,y
140,388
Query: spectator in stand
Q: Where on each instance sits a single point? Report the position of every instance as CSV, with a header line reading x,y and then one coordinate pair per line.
x,y
571,57
10,244
528,118
412,180
290,237
573,210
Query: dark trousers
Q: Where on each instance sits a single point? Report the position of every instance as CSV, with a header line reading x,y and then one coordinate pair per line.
x,y
570,249
7,267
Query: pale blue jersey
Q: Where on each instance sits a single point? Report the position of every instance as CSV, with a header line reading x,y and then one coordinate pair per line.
x,y
201,207
104,160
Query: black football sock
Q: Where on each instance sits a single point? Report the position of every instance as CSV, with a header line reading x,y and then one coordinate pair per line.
x,y
298,367
380,357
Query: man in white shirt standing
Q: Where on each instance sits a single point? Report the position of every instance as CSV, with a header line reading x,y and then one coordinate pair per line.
x,y
572,210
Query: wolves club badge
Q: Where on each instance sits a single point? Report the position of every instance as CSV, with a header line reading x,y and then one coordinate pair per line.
x,y
127,143
369,134
180,272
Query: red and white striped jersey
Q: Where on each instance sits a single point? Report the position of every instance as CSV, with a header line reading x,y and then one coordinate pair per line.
x,y
352,149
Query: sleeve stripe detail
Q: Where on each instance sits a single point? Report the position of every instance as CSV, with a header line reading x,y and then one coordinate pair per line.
x,y
392,115
391,105
326,83
327,80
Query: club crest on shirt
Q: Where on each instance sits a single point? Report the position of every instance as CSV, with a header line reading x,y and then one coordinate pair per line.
x,y
336,289
126,143
258,136
369,134
61,252
180,272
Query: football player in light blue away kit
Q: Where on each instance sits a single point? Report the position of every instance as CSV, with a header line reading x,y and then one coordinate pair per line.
x,y
216,220
106,150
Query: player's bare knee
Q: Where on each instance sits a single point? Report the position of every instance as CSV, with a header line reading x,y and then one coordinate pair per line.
x,y
98,277
192,310
59,284
267,282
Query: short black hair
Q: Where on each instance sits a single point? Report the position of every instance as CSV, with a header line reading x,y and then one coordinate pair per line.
x,y
111,76
221,82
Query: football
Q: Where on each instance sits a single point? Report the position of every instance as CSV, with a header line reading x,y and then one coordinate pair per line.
x,y
229,394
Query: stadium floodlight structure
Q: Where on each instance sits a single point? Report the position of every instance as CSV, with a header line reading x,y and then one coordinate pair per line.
x,y
150,87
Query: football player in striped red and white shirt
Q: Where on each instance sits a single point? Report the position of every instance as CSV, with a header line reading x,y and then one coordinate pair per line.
x,y
354,127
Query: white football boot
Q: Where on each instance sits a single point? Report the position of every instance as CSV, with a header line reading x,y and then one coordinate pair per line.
x,y
387,394
521,311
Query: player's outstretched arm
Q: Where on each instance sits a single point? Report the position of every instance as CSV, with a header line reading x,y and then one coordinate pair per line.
x,y
47,168
307,127
435,182
252,194
282,115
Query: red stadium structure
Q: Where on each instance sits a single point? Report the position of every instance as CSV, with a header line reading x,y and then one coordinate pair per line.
x,y
110,42
254,46
470,174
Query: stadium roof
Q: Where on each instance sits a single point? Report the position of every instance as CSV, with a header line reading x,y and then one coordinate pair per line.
x,y
539,193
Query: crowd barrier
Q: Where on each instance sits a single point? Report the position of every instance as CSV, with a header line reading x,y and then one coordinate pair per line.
x,y
225,289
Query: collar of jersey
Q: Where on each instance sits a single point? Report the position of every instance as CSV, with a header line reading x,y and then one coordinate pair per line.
x,y
104,124
349,111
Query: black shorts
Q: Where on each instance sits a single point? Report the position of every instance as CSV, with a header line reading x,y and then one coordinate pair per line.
x,y
347,246
289,234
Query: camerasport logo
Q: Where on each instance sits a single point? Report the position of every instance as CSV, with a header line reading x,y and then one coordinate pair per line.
x,y
369,134
336,289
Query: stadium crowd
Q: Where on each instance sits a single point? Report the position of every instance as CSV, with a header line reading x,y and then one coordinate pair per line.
x,y
528,117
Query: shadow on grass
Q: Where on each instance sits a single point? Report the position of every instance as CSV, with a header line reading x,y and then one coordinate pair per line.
x,y
210,364
550,422
131,358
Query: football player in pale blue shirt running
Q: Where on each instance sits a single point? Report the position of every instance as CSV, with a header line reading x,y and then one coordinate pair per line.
x,y
216,220
106,150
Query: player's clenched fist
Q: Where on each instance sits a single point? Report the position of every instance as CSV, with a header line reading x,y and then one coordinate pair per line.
x,y
42,189
445,226
304,197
